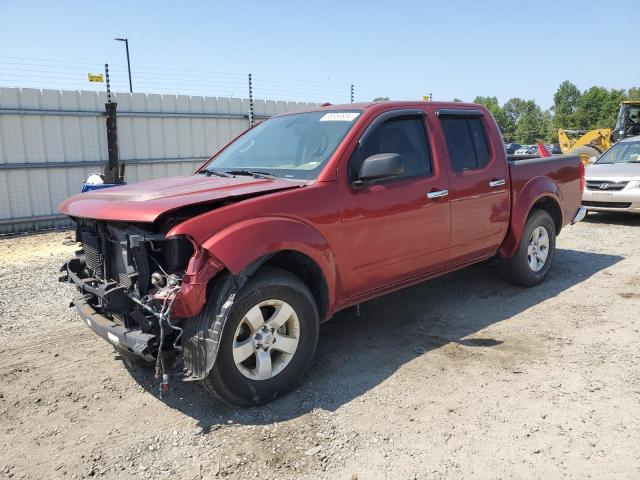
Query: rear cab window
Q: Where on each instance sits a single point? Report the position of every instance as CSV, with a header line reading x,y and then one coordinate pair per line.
x,y
466,142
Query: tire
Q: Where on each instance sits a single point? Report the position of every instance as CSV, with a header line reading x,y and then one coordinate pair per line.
x,y
523,268
268,296
587,153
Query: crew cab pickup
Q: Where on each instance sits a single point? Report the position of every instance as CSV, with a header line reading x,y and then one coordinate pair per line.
x,y
231,270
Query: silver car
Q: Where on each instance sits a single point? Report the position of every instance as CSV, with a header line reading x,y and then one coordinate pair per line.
x,y
613,181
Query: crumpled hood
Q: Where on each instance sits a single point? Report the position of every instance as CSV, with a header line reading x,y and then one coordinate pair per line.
x,y
146,201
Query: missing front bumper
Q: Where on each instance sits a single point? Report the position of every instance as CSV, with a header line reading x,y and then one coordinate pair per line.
x,y
137,342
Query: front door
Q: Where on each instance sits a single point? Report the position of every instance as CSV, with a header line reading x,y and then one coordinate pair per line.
x,y
393,230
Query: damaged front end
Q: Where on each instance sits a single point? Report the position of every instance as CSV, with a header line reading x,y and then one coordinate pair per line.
x,y
142,291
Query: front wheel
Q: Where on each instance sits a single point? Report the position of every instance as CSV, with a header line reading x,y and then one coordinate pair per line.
x,y
268,340
532,261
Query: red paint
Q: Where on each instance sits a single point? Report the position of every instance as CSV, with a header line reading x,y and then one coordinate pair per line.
x,y
544,151
366,241
193,291
146,201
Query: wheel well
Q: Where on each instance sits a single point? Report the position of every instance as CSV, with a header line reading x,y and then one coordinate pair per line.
x,y
550,206
306,270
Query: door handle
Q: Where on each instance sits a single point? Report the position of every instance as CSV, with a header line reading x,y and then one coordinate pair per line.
x,y
438,193
497,183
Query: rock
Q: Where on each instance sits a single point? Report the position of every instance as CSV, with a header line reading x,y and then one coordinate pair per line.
x,y
312,451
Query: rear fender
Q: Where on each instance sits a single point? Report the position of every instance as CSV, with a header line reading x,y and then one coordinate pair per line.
x,y
534,190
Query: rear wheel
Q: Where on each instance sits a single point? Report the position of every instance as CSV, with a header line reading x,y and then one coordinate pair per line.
x,y
268,341
587,153
532,261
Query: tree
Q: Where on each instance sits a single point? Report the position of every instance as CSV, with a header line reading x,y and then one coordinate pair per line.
x,y
530,126
457,100
548,127
491,103
598,108
512,111
565,104
632,94
381,99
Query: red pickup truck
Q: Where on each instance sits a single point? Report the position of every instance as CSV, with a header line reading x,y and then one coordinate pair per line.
x,y
231,270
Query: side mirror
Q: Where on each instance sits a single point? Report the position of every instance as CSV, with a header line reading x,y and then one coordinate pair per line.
x,y
378,167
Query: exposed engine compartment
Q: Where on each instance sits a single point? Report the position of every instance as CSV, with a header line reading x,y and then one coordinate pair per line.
x,y
132,275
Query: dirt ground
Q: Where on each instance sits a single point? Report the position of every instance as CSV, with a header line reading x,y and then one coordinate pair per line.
x,y
464,376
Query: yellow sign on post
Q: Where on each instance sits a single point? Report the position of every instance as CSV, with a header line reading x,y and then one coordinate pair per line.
x,y
426,98
95,77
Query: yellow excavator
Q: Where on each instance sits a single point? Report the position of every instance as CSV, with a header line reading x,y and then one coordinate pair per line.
x,y
591,143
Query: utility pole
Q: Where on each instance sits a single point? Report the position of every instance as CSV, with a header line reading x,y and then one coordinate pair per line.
x,y
126,43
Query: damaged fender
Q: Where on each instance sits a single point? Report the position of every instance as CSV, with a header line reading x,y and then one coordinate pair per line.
x,y
242,249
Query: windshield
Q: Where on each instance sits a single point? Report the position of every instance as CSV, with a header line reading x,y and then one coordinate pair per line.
x,y
624,152
292,146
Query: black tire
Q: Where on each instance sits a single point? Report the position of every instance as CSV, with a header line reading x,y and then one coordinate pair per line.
x,y
225,380
586,152
518,267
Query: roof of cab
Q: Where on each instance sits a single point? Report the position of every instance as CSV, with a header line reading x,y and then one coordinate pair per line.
x,y
385,104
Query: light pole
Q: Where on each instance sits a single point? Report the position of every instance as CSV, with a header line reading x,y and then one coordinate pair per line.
x,y
126,43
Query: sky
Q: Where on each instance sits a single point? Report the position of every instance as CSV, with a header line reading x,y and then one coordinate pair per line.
x,y
309,50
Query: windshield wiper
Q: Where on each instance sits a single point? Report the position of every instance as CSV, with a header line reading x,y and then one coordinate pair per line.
x,y
252,173
217,173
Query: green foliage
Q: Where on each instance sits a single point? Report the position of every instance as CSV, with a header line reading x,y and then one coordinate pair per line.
x,y
491,103
523,121
381,99
530,127
512,111
565,105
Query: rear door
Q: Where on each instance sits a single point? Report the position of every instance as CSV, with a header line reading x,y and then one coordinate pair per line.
x,y
478,183
399,228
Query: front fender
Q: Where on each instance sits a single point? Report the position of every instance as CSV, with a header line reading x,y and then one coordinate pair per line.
x,y
522,203
240,244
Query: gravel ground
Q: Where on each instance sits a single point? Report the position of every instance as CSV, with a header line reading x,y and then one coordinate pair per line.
x,y
462,376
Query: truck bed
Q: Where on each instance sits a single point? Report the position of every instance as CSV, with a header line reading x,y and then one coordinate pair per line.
x,y
561,172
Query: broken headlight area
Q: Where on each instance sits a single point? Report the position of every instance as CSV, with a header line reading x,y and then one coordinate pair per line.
x,y
132,275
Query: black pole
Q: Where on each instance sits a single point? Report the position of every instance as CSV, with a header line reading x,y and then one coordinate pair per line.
x,y
250,102
126,44
352,93
113,172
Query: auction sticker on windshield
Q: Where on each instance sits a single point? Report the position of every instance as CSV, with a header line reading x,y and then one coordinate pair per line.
x,y
339,117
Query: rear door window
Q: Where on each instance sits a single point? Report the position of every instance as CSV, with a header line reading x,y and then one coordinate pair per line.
x,y
466,143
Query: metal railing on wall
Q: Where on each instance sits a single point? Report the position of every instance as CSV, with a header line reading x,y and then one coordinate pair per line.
x,y
50,140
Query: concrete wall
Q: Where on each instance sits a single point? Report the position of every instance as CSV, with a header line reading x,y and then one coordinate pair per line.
x,y
51,140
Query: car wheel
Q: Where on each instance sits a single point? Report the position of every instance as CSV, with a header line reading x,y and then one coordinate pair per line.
x,y
532,261
268,340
